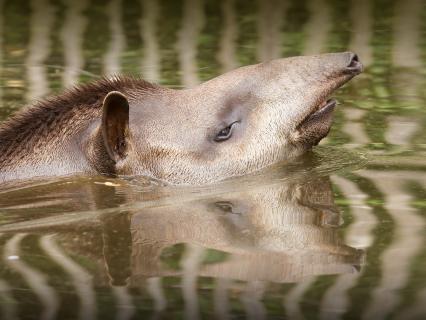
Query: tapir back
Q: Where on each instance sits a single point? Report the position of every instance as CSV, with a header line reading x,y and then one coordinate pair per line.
x,y
48,138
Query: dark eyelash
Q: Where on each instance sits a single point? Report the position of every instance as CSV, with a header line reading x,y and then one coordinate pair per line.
x,y
225,133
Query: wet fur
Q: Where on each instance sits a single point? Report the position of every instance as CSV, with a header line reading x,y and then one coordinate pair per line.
x,y
57,118
127,126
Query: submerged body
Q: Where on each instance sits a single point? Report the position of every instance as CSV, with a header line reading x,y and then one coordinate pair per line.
x,y
232,125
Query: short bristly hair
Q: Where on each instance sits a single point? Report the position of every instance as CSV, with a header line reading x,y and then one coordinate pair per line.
x,y
64,114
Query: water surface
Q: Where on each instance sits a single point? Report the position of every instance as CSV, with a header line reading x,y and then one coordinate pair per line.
x,y
337,234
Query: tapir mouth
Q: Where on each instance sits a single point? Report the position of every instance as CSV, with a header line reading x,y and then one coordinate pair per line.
x,y
319,113
316,124
323,109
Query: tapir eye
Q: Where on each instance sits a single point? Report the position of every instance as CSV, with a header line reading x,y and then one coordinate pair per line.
x,y
225,133
225,206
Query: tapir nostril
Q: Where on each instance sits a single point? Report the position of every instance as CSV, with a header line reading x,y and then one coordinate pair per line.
x,y
353,60
354,65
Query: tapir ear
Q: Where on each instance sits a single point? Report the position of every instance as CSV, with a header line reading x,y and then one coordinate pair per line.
x,y
115,125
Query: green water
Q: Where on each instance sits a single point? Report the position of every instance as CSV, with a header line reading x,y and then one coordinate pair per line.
x,y
339,234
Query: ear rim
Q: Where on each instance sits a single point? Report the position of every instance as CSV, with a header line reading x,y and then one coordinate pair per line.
x,y
119,152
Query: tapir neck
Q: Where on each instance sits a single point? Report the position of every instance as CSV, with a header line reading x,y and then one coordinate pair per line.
x,y
50,138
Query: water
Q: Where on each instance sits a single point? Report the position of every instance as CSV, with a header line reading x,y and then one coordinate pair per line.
x,y
339,234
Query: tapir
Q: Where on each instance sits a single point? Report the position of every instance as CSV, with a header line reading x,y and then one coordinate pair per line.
x,y
263,231
231,125
277,233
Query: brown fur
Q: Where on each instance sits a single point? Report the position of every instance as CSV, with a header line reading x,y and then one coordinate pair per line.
x,y
58,116
280,232
272,112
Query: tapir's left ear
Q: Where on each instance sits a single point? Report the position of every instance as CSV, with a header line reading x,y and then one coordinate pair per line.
x,y
115,125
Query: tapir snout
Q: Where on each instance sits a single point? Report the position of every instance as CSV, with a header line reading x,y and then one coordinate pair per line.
x,y
232,125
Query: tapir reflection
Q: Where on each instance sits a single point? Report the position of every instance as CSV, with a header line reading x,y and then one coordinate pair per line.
x,y
278,233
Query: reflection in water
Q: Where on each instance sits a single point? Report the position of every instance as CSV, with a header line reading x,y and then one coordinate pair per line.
x,y
1,51
359,235
192,23
362,26
155,290
227,51
272,17
354,127
251,299
318,27
359,232
270,232
8,310
72,41
407,244
41,21
221,298
151,60
81,279
259,235
407,34
270,22
190,264
400,130
417,311
35,280
255,249
294,298
406,55
117,42
124,305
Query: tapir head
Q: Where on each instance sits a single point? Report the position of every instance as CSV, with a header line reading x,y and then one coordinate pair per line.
x,y
232,125
281,233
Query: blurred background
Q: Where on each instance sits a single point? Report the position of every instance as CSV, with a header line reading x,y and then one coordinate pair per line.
x,y
49,45
46,46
